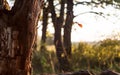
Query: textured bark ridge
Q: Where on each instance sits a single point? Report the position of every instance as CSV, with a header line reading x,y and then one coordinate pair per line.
x,y
17,36
4,40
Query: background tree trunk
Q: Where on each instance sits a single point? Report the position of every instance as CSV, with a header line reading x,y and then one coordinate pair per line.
x,y
17,36
58,23
68,27
44,28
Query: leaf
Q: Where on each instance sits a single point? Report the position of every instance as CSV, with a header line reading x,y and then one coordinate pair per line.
x,y
80,25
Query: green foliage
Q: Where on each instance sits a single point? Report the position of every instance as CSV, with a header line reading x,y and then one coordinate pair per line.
x,y
44,62
103,55
38,61
118,1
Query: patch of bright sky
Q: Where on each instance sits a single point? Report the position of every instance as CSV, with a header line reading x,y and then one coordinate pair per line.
x,y
95,27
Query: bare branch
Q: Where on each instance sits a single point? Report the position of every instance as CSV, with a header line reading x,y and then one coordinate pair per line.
x,y
97,13
99,2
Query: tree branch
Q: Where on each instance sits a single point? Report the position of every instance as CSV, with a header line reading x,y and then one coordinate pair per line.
x,y
97,13
52,10
99,2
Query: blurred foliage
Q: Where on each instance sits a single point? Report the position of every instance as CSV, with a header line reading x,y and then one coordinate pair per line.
x,y
103,55
117,1
95,56
44,62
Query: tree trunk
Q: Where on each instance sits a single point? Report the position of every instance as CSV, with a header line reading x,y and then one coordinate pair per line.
x,y
68,27
17,35
44,28
60,51
58,23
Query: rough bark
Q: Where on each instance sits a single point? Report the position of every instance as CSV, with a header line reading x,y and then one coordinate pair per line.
x,y
68,27
17,36
58,23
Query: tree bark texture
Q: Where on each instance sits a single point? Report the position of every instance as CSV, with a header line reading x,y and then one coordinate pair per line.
x,y
17,35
